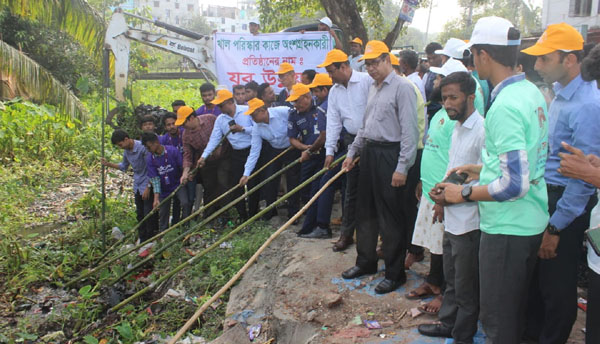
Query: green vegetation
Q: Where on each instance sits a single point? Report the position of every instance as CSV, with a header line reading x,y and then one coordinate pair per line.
x,y
40,149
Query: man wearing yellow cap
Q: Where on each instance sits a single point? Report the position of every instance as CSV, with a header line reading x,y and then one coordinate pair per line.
x,y
513,206
287,78
271,128
574,118
195,138
238,128
387,146
346,106
356,54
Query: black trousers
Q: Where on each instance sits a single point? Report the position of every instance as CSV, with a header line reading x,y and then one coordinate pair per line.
x,y
350,192
506,264
552,308
380,211
292,177
460,308
142,207
592,321
436,270
215,178
237,161
411,203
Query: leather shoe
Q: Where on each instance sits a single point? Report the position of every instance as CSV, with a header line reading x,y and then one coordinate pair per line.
x,y
435,330
388,285
343,243
317,233
355,272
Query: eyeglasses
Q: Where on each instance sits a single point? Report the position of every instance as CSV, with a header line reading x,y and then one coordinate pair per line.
x,y
373,63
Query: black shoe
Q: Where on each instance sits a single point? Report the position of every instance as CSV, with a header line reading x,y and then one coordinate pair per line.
x,y
305,231
356,271
387,286
318,233
435,330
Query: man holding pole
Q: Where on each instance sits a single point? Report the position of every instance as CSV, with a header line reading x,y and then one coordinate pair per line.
x,y
387,145
271,125
345,109
238,128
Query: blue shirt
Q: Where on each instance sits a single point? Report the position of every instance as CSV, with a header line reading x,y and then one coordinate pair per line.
x,y
167,168
275,132
306,126
239,140
574,117
137,159
177,141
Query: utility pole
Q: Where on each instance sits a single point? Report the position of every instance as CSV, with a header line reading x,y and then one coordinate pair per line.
x,y
428,19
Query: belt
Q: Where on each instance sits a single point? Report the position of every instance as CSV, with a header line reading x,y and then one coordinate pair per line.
x,y
381,143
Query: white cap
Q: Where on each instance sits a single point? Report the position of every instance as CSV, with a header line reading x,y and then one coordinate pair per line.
x,y
454,48
492,31
449,67
326,21
255,21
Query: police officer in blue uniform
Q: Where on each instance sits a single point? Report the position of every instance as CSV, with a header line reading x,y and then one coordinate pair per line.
x,y
306,130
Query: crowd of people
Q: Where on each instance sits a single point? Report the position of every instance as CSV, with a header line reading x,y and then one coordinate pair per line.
x,y
469,154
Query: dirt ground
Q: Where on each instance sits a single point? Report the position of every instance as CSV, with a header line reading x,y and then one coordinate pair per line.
x,y
295,292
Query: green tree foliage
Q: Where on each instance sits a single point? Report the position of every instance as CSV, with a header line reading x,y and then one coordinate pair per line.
x,y
53,50
522,13
74,17
367,19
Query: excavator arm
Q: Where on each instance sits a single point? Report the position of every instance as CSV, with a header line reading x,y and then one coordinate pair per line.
x,y
119,36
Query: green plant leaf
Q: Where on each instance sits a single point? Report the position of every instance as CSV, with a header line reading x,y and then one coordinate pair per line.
x,y
90,339
125,331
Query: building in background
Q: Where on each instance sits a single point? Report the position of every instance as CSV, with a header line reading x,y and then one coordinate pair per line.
x,y
230,19
584,15
175,12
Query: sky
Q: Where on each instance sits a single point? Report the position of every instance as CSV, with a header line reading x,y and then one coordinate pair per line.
x,y
442,11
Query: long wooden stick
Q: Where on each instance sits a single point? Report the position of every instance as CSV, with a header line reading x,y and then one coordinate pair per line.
x,y
252,259
179,224
194,259
133,231
198,226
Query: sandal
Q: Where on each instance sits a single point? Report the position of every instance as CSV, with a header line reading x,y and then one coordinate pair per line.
x,y
435,304
421,292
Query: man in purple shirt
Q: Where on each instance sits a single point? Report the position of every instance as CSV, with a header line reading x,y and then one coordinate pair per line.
x,y
134,155
165,166
208,93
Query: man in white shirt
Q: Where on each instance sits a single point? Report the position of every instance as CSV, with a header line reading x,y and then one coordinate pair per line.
x,y
460,307
346,107
356,63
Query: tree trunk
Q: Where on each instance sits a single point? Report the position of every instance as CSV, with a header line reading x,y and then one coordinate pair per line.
x,y
345,14
391,37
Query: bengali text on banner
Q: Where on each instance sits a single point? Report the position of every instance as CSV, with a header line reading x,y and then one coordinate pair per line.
x,y
242,57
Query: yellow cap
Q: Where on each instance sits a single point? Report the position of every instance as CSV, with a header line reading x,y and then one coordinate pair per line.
x,y
222,95
297,91
321,79
556,37
395,60
357,41
374,49
333,56
253,105
284,68
182,114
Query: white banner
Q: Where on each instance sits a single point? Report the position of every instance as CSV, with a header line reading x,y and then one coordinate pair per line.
x,y
242,57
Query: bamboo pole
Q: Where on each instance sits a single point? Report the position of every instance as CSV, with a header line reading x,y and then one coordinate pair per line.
x,y
192,230
179,224
225,194
132,232
253,259
197,257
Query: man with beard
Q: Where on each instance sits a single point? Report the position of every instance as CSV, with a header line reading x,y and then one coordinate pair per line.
x,y
460,308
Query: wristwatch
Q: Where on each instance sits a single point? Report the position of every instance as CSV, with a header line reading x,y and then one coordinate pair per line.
x,y
466,193
552,230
